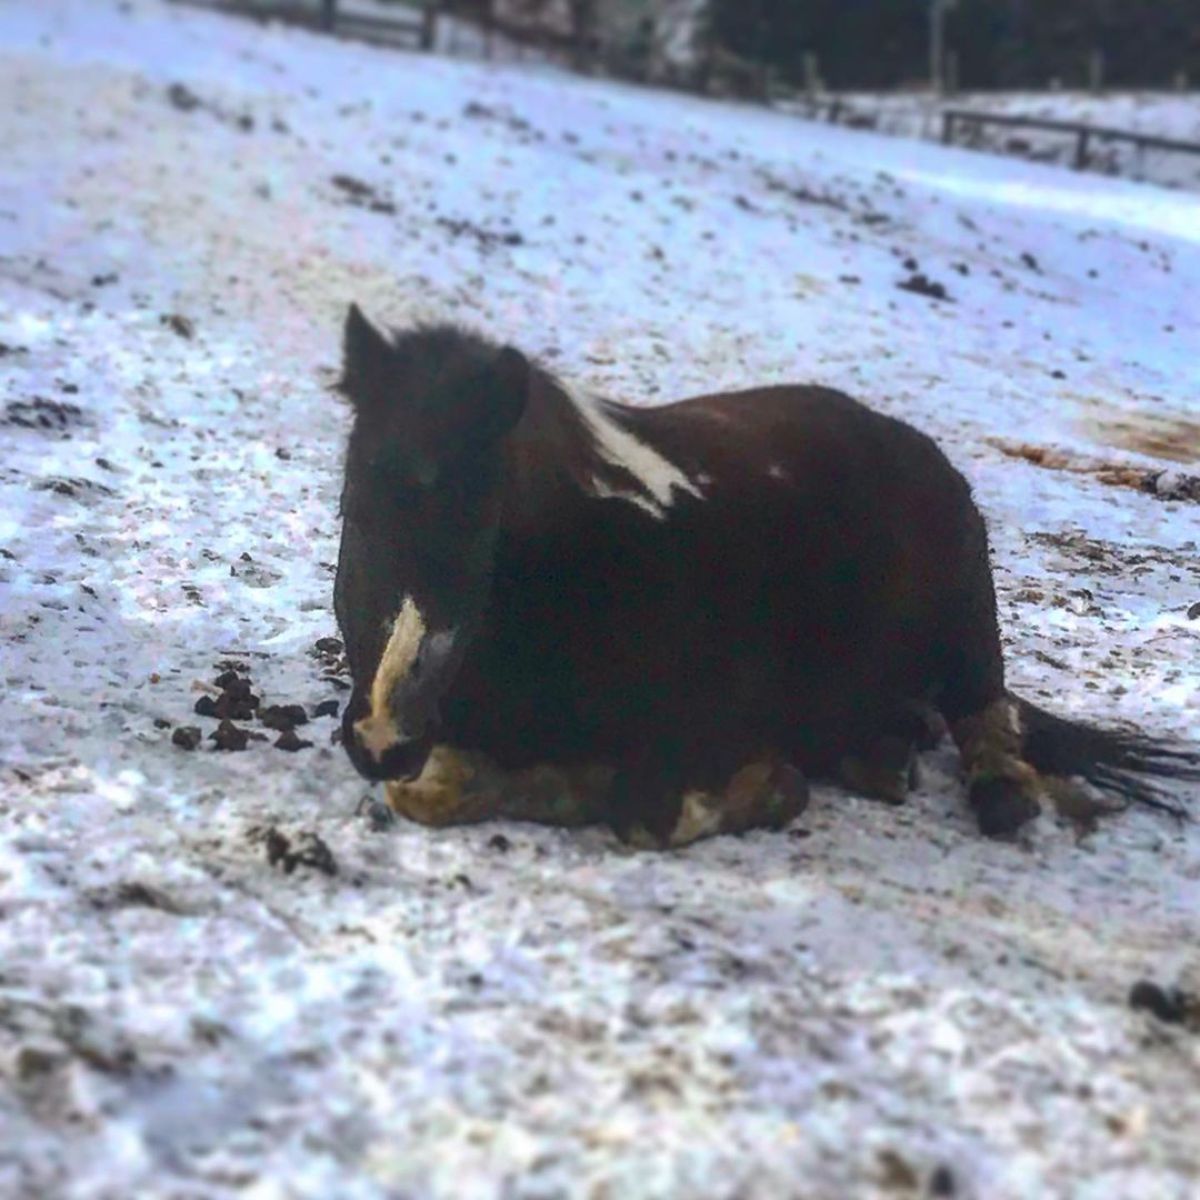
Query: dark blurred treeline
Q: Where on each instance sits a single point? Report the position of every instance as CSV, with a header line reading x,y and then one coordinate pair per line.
x,y
997,43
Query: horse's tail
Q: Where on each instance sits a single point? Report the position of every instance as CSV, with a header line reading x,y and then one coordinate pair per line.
x,y
1128,765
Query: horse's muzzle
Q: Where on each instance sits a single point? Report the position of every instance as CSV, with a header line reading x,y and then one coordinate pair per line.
x,y
401,758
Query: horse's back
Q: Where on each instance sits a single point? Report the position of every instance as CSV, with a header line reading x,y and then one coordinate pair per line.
x,y
860,538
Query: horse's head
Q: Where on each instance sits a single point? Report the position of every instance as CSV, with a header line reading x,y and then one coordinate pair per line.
x,y
420,517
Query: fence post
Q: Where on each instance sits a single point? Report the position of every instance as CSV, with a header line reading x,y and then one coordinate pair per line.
x,y
948,128
812,74
328,15
1096,71
429,18
1182,83
489,29
1081,150
951,84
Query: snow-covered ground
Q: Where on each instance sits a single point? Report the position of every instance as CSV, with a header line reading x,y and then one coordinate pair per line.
x,y
1173,115
876,1003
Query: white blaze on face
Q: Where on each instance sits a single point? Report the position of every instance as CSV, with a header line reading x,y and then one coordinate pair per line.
x,y
657,475
377,731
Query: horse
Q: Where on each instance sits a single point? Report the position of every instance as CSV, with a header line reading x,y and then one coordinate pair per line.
x,y
560,608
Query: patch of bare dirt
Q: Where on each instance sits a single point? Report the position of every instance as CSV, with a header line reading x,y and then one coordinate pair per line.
x,y
1175,438
1162,484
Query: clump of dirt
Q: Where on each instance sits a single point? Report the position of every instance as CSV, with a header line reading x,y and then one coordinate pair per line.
x,y
920,284
362,195
802,194
181,97
308,850
330,653
290,740
1171,1005
134,894
228,736
178,324
52,416
237,701
283,717
187,737
1102,558
488,239
76,489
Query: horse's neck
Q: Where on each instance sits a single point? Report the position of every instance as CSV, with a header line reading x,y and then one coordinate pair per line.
x,y
550,458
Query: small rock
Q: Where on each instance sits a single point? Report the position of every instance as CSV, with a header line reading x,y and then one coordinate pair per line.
x,y
179,324
236,708
290,740
499,843
311,851
1170,1005
897,1174
186,737
229,737
328,645
941,1183
283,717
327,708
1194,612
206,706
162,723
922,285
183,98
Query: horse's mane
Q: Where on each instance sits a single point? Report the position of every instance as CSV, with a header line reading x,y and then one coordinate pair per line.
x,y
566,439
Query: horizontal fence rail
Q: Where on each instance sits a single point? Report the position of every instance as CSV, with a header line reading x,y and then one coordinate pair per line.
x,y
408,27
1084,134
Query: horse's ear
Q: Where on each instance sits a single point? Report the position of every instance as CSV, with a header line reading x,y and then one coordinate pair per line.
x,y
366,354
509,378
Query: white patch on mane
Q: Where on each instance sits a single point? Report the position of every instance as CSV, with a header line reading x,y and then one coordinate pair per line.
x,y
777,471
658,476
377,731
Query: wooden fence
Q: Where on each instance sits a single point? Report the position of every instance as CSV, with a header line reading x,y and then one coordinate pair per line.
x,y
1085,135
408,27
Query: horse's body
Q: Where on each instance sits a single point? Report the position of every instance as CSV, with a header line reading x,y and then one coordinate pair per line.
x,y
823,565
664,597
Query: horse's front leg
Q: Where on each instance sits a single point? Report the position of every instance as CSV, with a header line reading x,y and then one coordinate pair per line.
x,y
766,794
462,787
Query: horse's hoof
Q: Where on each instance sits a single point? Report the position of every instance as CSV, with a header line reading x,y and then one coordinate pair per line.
x,y
788,797
1002,806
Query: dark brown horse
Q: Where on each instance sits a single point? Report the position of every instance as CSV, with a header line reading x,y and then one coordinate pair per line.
x,y
563,609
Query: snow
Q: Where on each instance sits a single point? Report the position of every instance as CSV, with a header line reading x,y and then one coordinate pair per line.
x,y
1173,115
836,1011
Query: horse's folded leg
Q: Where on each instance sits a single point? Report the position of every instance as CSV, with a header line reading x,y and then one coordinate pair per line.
x,y
461,787
884,771
1004,789
453,789
763,795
